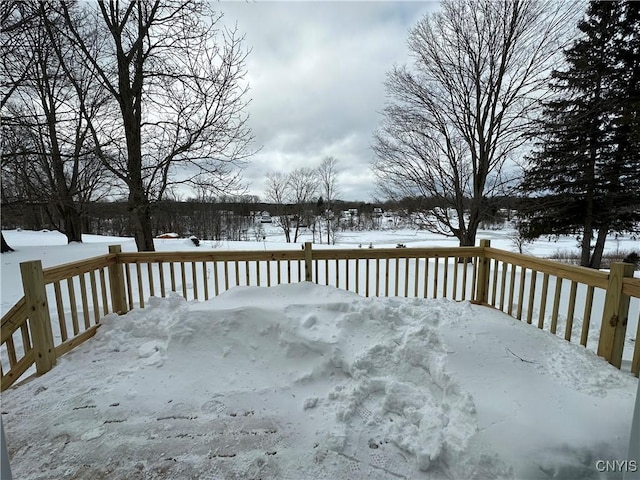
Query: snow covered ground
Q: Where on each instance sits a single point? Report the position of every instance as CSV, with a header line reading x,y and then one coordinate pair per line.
x,y
305,381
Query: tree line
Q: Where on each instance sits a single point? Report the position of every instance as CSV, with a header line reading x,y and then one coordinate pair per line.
x,y
228,217
234,218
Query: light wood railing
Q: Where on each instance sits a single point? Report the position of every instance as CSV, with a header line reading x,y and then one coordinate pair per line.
x,y
539,291
62,306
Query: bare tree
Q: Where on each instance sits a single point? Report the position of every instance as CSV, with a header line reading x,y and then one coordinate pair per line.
x,y
292,195
15,19
303,183
465,108
47,137
179,84
278,193
327,174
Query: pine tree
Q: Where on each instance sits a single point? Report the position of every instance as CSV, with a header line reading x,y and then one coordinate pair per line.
x,y
625,106
584,176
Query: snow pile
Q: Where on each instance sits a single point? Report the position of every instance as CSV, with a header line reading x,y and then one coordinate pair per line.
x,y
308,382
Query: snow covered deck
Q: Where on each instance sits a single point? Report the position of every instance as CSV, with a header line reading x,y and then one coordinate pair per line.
x,y
304,381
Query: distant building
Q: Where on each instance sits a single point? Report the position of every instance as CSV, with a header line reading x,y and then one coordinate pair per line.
x,y
265,217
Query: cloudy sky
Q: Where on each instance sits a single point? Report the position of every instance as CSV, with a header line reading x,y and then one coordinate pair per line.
x,y
316,72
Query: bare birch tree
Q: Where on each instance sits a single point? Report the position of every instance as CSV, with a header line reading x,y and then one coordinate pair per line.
x,y
327,174
303,183
463,110
278,193
292,195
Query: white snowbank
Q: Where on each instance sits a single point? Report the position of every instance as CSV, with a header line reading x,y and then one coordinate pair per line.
x,y
307,382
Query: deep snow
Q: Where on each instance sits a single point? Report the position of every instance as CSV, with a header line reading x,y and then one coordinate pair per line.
x,y
305,381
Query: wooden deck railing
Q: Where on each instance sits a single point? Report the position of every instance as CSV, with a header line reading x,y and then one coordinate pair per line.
x,y
62,306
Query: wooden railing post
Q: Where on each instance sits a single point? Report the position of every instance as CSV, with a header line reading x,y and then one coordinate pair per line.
x,y
482,283
615,315
308,261
116,283
35,295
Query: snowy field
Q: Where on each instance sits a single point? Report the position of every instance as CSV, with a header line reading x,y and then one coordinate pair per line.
x,y
305,381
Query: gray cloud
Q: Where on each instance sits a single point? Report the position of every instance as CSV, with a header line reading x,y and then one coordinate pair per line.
x,y
316,72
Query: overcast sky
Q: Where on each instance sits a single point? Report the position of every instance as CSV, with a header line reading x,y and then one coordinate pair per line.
x,y
316,72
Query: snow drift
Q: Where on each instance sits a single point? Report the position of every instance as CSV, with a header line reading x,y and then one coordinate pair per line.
x,y
307,382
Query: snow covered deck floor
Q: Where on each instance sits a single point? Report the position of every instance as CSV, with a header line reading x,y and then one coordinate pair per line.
x,y
304,381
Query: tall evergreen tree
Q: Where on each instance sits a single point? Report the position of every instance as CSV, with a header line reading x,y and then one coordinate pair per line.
x,y
584,176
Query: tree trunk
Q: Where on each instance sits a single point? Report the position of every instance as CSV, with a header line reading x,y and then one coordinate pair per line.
x,y
467,240
328,231
467,235
286,227
5,246
590,177
585,255
69,216
139,210
295,234
596,258
71,223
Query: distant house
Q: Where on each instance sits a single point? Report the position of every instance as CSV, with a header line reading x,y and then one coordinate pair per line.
x,y
265,217
168,235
